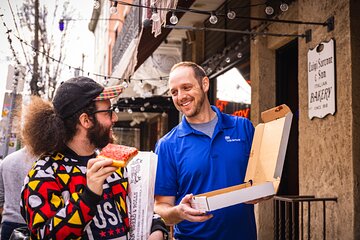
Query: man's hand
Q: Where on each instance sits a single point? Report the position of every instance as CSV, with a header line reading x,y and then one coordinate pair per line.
x,y
98,169
165,207
157,235
186,212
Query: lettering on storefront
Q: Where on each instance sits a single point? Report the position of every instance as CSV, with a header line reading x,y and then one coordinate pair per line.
x,y
221,105
321,80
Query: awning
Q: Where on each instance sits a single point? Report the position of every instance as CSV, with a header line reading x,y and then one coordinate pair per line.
x,y
148,43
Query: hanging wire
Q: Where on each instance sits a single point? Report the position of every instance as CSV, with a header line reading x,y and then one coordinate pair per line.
x,y
9,31
17,29
180,9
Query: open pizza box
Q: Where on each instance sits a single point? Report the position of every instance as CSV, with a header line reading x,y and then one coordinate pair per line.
x,y
265,165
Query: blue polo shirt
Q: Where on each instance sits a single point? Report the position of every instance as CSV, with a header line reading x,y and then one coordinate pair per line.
x,y
191,162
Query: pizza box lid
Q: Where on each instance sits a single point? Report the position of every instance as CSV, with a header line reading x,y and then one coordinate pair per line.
x,y
265,165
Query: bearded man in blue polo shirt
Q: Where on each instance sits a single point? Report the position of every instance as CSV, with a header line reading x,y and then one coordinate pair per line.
x,y
207,151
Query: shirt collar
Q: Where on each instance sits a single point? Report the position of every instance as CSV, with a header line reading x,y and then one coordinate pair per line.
x,y
224,121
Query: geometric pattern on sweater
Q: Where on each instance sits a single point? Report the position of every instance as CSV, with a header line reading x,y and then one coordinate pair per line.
x,y
55,205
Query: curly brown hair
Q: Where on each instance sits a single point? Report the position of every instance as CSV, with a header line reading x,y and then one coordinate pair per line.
x,y
44,131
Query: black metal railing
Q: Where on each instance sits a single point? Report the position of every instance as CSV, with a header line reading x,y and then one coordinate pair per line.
x,y
289,210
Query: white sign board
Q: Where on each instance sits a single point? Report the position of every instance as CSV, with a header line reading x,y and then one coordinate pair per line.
x,y
321,80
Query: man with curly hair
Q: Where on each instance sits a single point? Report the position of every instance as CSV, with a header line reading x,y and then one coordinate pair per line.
x,y
69,193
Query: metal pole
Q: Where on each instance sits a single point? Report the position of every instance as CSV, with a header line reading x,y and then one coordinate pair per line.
x,y
10,114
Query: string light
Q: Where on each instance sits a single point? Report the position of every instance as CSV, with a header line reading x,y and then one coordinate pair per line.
x,y
213,18
231,14
269,10
155,16
61,25
232,54
329,23
284,6
174,19
113,8
105,77
125,84
156,104
96,4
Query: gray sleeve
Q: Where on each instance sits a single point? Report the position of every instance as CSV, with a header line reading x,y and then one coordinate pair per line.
x,y
1,186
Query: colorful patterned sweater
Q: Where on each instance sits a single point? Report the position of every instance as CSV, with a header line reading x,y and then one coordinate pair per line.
x,y
57,204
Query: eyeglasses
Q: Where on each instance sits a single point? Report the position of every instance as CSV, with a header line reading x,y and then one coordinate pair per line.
x,y
109,111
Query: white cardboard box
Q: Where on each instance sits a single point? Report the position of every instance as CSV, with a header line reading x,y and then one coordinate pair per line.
x,y
265,165
141,172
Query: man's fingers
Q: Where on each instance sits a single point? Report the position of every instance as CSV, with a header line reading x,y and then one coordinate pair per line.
x,y
105,171
199,218
191,214
187,198
95,164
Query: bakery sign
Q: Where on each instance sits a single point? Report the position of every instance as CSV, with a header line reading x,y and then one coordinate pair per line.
x,y
321,80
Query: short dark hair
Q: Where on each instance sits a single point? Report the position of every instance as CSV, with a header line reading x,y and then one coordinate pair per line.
x,y
199,72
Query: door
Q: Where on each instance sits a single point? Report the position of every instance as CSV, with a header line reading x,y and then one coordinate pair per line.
x,y
287,93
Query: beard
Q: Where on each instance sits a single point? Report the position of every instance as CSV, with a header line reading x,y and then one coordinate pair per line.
x,y
99,135
197,108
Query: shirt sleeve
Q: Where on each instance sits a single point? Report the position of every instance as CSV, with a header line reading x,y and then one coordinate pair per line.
x,y
52,212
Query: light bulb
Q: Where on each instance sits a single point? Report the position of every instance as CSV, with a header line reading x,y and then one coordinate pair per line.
x,y
231,15
113,9
155,16
284,6
174,19
269,10
213,19
96,4
124,84
61,25
104,81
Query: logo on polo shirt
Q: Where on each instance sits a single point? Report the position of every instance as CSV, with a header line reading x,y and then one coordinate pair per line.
x,y
229,139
